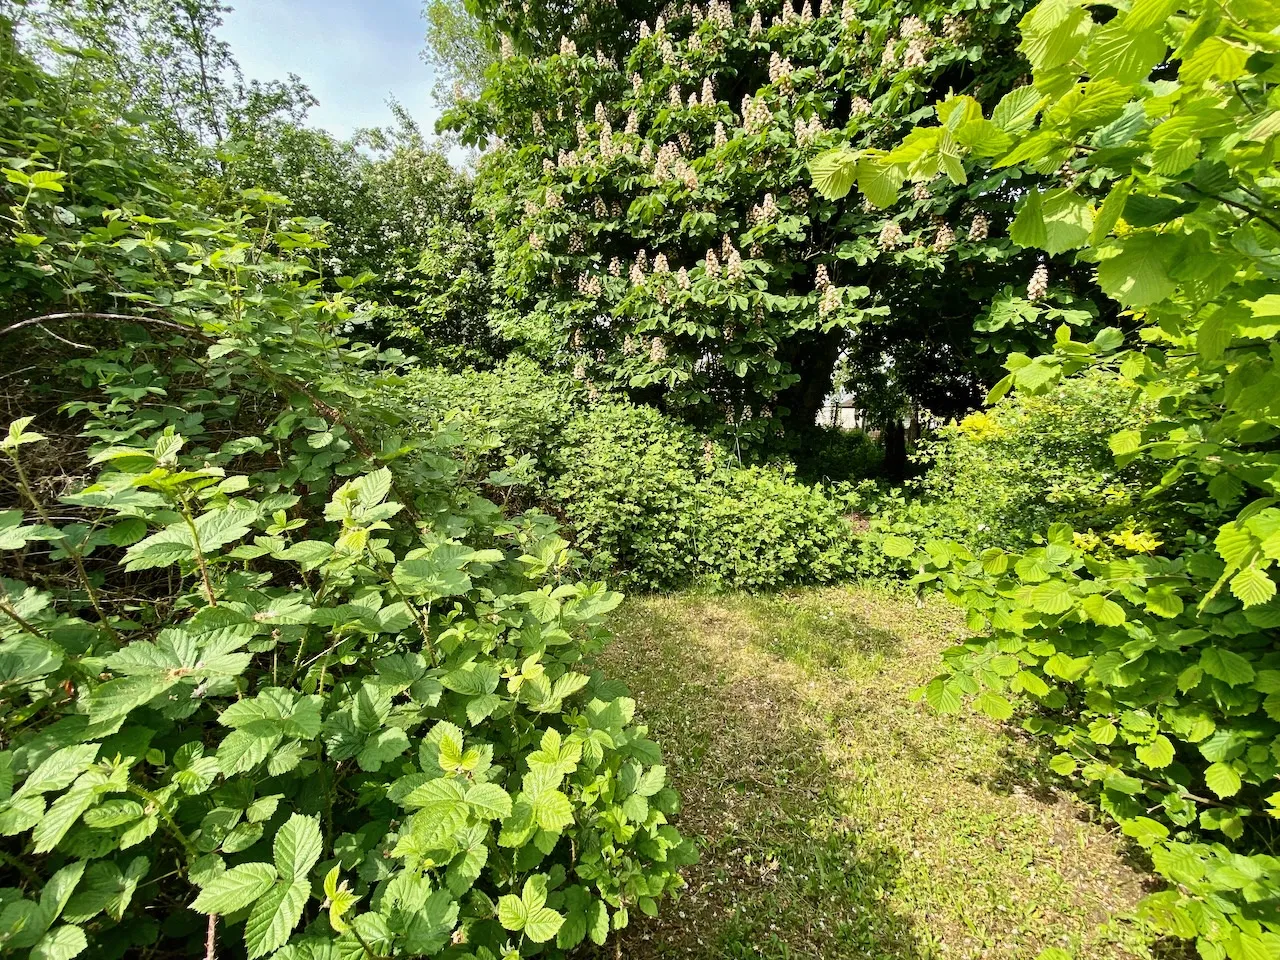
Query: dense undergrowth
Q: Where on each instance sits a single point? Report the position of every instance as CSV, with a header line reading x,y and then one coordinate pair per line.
x,y
320,456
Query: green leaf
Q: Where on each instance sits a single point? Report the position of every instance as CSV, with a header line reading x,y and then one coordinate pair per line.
x,y
1229,667
1139,275
1251,586
1222,779
994,706
235,889
60,943
834,172
1156,754
898,547
489,801
1052,597
1102,611
1118,52
274,917
297,847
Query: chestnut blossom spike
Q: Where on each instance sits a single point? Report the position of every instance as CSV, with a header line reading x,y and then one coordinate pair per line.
x,y
890,235
980,228
712,265
660,264
721,139
859,107
1039,284
944,239
568,48
682,279
508,49
757,25
657,350
708,93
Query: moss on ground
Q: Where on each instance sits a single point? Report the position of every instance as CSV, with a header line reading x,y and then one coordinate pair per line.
x,y
837,817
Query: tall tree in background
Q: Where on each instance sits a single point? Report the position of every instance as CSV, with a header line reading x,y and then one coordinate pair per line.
x,y
649,231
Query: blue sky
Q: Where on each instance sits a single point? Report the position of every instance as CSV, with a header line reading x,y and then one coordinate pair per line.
x,y
351,53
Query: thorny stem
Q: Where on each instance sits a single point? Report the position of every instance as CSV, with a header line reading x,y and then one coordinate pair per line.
x,y
21,867
211,939
190,848
200,561
73,550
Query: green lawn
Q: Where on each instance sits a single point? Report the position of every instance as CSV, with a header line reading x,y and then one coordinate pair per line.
x,y
838,818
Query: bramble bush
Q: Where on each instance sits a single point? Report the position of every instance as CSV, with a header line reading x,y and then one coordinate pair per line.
x,y
275,681
1148,662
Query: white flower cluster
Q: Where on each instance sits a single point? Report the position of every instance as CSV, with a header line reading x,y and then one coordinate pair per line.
x,y
920,192
682,278
890,56
660,264
756,115
633,123
780,70
538,129
1039,284
668,156
848,14
628,345
637,274
708,92
644,30
669,55
980,228
636,83
568,48
605,60
575,243
763,212
721,14
807,133
911,26
829,302
608,149
824,8
601,114
821,278
757,25
535,241
917,53
615,267
548,166
799,198
890,235
944,239
711,267
673,95
721,138
955,28
686,142
553,200
507,48
646,155
859,107
657,351
579,371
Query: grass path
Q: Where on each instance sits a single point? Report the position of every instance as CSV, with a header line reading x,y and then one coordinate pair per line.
x,y
836,817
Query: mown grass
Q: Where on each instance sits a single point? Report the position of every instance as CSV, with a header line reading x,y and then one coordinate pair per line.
x,y
838,818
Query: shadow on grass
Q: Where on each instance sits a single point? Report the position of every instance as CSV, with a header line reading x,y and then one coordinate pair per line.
x,y
783,872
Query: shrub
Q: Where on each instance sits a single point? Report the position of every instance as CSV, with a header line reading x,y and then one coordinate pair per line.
x,y
1147,660
646,497
272,678
1002,475
829,454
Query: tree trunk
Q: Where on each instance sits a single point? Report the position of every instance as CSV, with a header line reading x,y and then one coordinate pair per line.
x,y
814,359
